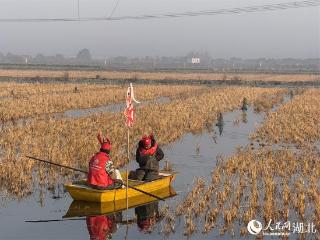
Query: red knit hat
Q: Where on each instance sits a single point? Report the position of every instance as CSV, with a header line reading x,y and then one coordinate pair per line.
x,y
106,145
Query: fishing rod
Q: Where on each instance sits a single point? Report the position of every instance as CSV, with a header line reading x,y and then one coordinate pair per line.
x,y
57,164
79,170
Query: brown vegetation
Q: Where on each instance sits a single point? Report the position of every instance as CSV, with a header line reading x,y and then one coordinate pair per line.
x,y
31,100
72,141
158,75
269,183
296,122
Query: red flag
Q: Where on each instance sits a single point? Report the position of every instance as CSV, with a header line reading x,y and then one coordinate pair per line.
x,y
129,111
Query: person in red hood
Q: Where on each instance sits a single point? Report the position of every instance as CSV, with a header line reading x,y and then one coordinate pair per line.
x,y
148,155
101,169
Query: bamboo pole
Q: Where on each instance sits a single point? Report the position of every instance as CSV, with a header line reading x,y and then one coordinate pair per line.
x,y
127,172
127,177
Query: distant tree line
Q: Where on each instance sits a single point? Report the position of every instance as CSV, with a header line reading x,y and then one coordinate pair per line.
x,y
162,63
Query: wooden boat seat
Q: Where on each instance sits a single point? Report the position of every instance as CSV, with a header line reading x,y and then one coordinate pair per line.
x,y
132,177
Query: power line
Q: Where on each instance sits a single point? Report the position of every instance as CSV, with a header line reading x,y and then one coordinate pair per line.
x,y
113,10
78,9
249,9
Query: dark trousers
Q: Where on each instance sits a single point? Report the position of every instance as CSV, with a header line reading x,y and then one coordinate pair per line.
x,y
146,175
115,185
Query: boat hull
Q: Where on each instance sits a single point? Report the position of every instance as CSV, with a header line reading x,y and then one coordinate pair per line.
x,y
81,192
84,208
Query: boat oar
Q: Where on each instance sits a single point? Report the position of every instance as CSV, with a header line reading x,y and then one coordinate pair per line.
x,y
74,219
53,220
79,170
139,190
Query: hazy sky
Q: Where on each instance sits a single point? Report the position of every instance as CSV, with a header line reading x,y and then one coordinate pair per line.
x,y
272,34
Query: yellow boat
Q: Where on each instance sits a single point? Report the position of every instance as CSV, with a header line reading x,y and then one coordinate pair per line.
x,y
82,208
82,192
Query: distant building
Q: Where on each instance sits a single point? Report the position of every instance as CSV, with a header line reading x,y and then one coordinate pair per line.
x,y
195,60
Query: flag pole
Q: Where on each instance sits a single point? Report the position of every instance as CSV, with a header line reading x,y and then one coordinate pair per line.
x,y
127,171
129,113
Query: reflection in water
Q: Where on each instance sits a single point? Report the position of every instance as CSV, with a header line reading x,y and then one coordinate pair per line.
x,y
102,218
244,117
197,149
220,123
220,129
147,216
102,227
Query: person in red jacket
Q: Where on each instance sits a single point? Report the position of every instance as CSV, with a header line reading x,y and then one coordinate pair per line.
x,y
101,169
148,155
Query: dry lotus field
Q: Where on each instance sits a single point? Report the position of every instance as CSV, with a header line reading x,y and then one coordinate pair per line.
x,y
276,177
296,122
73,141
157,75
32,100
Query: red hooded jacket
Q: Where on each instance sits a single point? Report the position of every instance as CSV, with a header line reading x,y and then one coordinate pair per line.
x,y
97,173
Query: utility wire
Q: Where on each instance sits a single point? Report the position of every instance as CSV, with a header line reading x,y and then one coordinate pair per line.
x,y
78,9
114,9
249,9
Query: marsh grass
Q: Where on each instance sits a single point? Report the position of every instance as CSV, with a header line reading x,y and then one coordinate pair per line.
x,y
34,100
72,75
73,141
277,184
